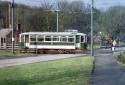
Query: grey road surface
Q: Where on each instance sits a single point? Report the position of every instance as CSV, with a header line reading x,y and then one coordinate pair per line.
x,y
107,71
40,58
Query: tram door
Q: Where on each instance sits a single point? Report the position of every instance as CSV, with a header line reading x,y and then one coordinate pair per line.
x,y
82,39
78,41
26,41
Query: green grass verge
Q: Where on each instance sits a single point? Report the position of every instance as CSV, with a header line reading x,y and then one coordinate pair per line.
x,y
121,60
9,54
121,65
72,71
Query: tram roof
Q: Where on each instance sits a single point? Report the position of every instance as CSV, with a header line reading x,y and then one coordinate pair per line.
x,y
52,33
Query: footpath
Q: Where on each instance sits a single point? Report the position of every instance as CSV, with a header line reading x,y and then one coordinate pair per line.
x,y
107,71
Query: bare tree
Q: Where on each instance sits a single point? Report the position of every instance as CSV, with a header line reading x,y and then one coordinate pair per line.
x,y
77,6
64,9
47,8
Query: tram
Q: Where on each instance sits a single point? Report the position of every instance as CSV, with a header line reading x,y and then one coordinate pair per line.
x,y
59,41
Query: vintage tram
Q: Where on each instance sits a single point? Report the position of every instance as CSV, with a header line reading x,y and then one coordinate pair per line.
x,y
62,42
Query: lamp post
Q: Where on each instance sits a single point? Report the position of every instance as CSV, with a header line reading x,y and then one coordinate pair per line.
x,y
100,33
92,3
13,26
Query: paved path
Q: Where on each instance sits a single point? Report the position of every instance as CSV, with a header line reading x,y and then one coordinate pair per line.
x,y
107,71
19,61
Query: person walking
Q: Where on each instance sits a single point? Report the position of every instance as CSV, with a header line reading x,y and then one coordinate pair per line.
x,y
113,45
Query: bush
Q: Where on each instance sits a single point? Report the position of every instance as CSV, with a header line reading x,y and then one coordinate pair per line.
x,y
121,58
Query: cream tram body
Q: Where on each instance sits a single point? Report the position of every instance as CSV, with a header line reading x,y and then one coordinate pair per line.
x,y
53,40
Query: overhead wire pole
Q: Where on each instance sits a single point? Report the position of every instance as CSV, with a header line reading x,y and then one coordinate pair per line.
x,y
13,26
9,6
92,22
57,22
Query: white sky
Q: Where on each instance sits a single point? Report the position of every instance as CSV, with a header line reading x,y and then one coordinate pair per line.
x,y
101,4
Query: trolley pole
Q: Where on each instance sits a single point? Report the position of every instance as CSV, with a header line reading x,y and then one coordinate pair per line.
x,y
92,22
13,26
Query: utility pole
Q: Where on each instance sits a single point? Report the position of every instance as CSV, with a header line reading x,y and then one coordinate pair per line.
x,y
92,22
13,26
9,6
57,15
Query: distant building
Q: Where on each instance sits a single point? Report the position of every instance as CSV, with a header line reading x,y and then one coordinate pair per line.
x,y
6,38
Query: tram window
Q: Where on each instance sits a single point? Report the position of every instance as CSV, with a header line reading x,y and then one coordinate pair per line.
x,y
27,38
55,38
77,38
82,39
48,38
63,38
70,39
33,38
40,38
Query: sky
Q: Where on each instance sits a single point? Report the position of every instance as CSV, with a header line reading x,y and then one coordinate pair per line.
x,y
100,4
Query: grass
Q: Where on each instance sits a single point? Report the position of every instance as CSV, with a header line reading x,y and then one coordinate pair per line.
x,y
121,60
9,54
72,71
121,65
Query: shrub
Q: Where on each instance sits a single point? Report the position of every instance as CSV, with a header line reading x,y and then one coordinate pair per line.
x,y
121,57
